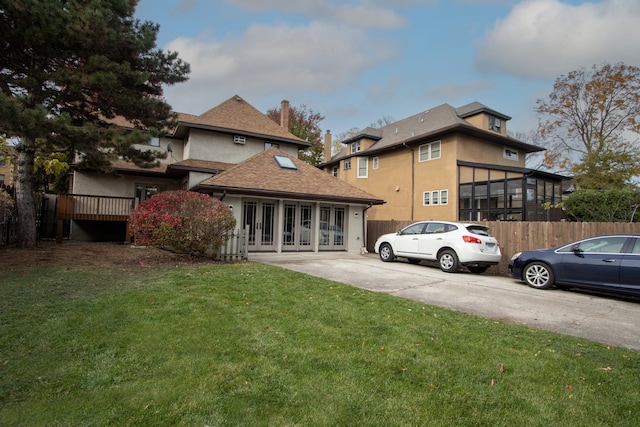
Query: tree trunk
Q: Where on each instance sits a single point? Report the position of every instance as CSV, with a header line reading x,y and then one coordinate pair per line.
x,y
25,201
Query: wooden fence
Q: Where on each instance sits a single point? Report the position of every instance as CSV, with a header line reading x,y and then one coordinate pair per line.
x,y
235,249
517,236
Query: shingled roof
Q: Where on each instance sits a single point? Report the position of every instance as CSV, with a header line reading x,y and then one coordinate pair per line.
x,y
237,115
431,123
262,175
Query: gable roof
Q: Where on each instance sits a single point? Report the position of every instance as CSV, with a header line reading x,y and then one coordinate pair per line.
x,y
235,115
432,123
261,175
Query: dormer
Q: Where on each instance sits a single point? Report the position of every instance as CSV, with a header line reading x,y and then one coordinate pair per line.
x,y
483,117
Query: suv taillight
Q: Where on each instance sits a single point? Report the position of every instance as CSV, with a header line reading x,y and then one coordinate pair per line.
x,y
471,239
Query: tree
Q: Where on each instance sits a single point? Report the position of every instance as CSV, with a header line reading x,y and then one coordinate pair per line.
x,y
305,124
616,205
68,68
586,121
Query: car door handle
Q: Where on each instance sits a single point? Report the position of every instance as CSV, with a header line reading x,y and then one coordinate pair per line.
x,y
415,238
608,260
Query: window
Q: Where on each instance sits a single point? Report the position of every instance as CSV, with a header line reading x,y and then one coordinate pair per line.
x,y
363,167
334,171
145,191
435,197
285,162
154,142
510,154
495,123
430,151
355,147
239,139
347,164
376,162
268,145
414,229
444,197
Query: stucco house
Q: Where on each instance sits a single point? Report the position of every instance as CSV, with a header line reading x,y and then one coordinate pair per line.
x,y
238,154
446,163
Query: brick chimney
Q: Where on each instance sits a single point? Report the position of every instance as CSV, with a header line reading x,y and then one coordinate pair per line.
x,y
327,146
284,114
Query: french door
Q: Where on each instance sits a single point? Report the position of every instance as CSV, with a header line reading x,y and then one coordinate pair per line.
x,y
297,232
260,216
332,227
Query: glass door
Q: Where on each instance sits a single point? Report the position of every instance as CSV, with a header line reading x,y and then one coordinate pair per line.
x,y
297,227
332,227
260,218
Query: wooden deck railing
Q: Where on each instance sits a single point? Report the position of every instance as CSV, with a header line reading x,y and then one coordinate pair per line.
x,y
92,208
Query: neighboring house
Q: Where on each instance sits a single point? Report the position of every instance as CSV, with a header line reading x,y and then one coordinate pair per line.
x,y
238,154
446,163
7,166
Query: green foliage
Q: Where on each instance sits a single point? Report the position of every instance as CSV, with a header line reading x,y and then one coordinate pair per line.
x,y
305,124
619,205
6,202
585,123
248,344
182,221
70,69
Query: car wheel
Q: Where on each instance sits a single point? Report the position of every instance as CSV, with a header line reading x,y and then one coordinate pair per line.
x,y
478,269
538,275
386,253
448,261
414,260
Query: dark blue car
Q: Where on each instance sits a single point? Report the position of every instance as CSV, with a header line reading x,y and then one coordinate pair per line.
x,y
605,263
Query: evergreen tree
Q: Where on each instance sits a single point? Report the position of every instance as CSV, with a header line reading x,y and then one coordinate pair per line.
x,y
68,69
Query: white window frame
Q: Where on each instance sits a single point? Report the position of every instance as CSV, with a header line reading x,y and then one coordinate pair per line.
x,y
239,139
154,141
355,147
375,162
347,164
435,197
361,169
334,171
425,151
495,123
510,154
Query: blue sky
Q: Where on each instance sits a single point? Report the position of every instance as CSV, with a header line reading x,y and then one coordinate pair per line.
x,y
357,61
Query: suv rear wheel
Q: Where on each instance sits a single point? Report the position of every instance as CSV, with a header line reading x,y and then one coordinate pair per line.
x,y
386,252
448,261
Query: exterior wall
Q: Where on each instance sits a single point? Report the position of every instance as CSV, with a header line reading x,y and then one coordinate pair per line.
x,y
354,228
220,147
196,178
176,155
477,151
482,121
89,183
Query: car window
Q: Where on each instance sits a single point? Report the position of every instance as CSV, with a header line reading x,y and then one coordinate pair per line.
x,y
436,227
636,247
414,229
479,230
607,245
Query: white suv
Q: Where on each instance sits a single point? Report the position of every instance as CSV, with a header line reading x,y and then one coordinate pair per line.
x,y
451,244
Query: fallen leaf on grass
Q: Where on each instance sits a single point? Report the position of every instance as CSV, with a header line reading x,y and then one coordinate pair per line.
x,y
607,369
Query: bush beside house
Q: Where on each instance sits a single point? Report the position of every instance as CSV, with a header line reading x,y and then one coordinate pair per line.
x,y
182,221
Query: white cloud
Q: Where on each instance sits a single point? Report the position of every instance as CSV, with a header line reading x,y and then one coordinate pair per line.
x,y
354,13
546,38
275,59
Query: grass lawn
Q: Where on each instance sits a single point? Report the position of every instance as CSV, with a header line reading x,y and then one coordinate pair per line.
x,y
255,345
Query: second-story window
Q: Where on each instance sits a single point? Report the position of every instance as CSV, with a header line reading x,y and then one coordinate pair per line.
x,y
430,151
495,123
510,154
347,164
334,171
363,167
376,162
268,145
355,147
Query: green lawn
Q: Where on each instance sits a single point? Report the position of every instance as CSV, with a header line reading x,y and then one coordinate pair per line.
x,y
255,345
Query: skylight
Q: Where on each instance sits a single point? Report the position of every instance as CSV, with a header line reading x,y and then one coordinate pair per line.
x,y
285,162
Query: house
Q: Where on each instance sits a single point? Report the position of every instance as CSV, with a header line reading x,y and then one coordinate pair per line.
x,y
238,154
446,163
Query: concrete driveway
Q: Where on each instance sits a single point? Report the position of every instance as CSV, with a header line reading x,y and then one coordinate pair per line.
x,y
608,320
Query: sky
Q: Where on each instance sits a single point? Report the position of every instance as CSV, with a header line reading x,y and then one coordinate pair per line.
x,y
358,61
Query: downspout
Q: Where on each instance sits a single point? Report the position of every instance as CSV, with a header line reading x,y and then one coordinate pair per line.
x,y
413,178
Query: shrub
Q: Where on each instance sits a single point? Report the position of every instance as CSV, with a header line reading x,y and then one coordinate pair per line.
x,y
182,221
6,201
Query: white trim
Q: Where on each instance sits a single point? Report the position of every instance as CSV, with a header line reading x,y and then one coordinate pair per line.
x,y
366,167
